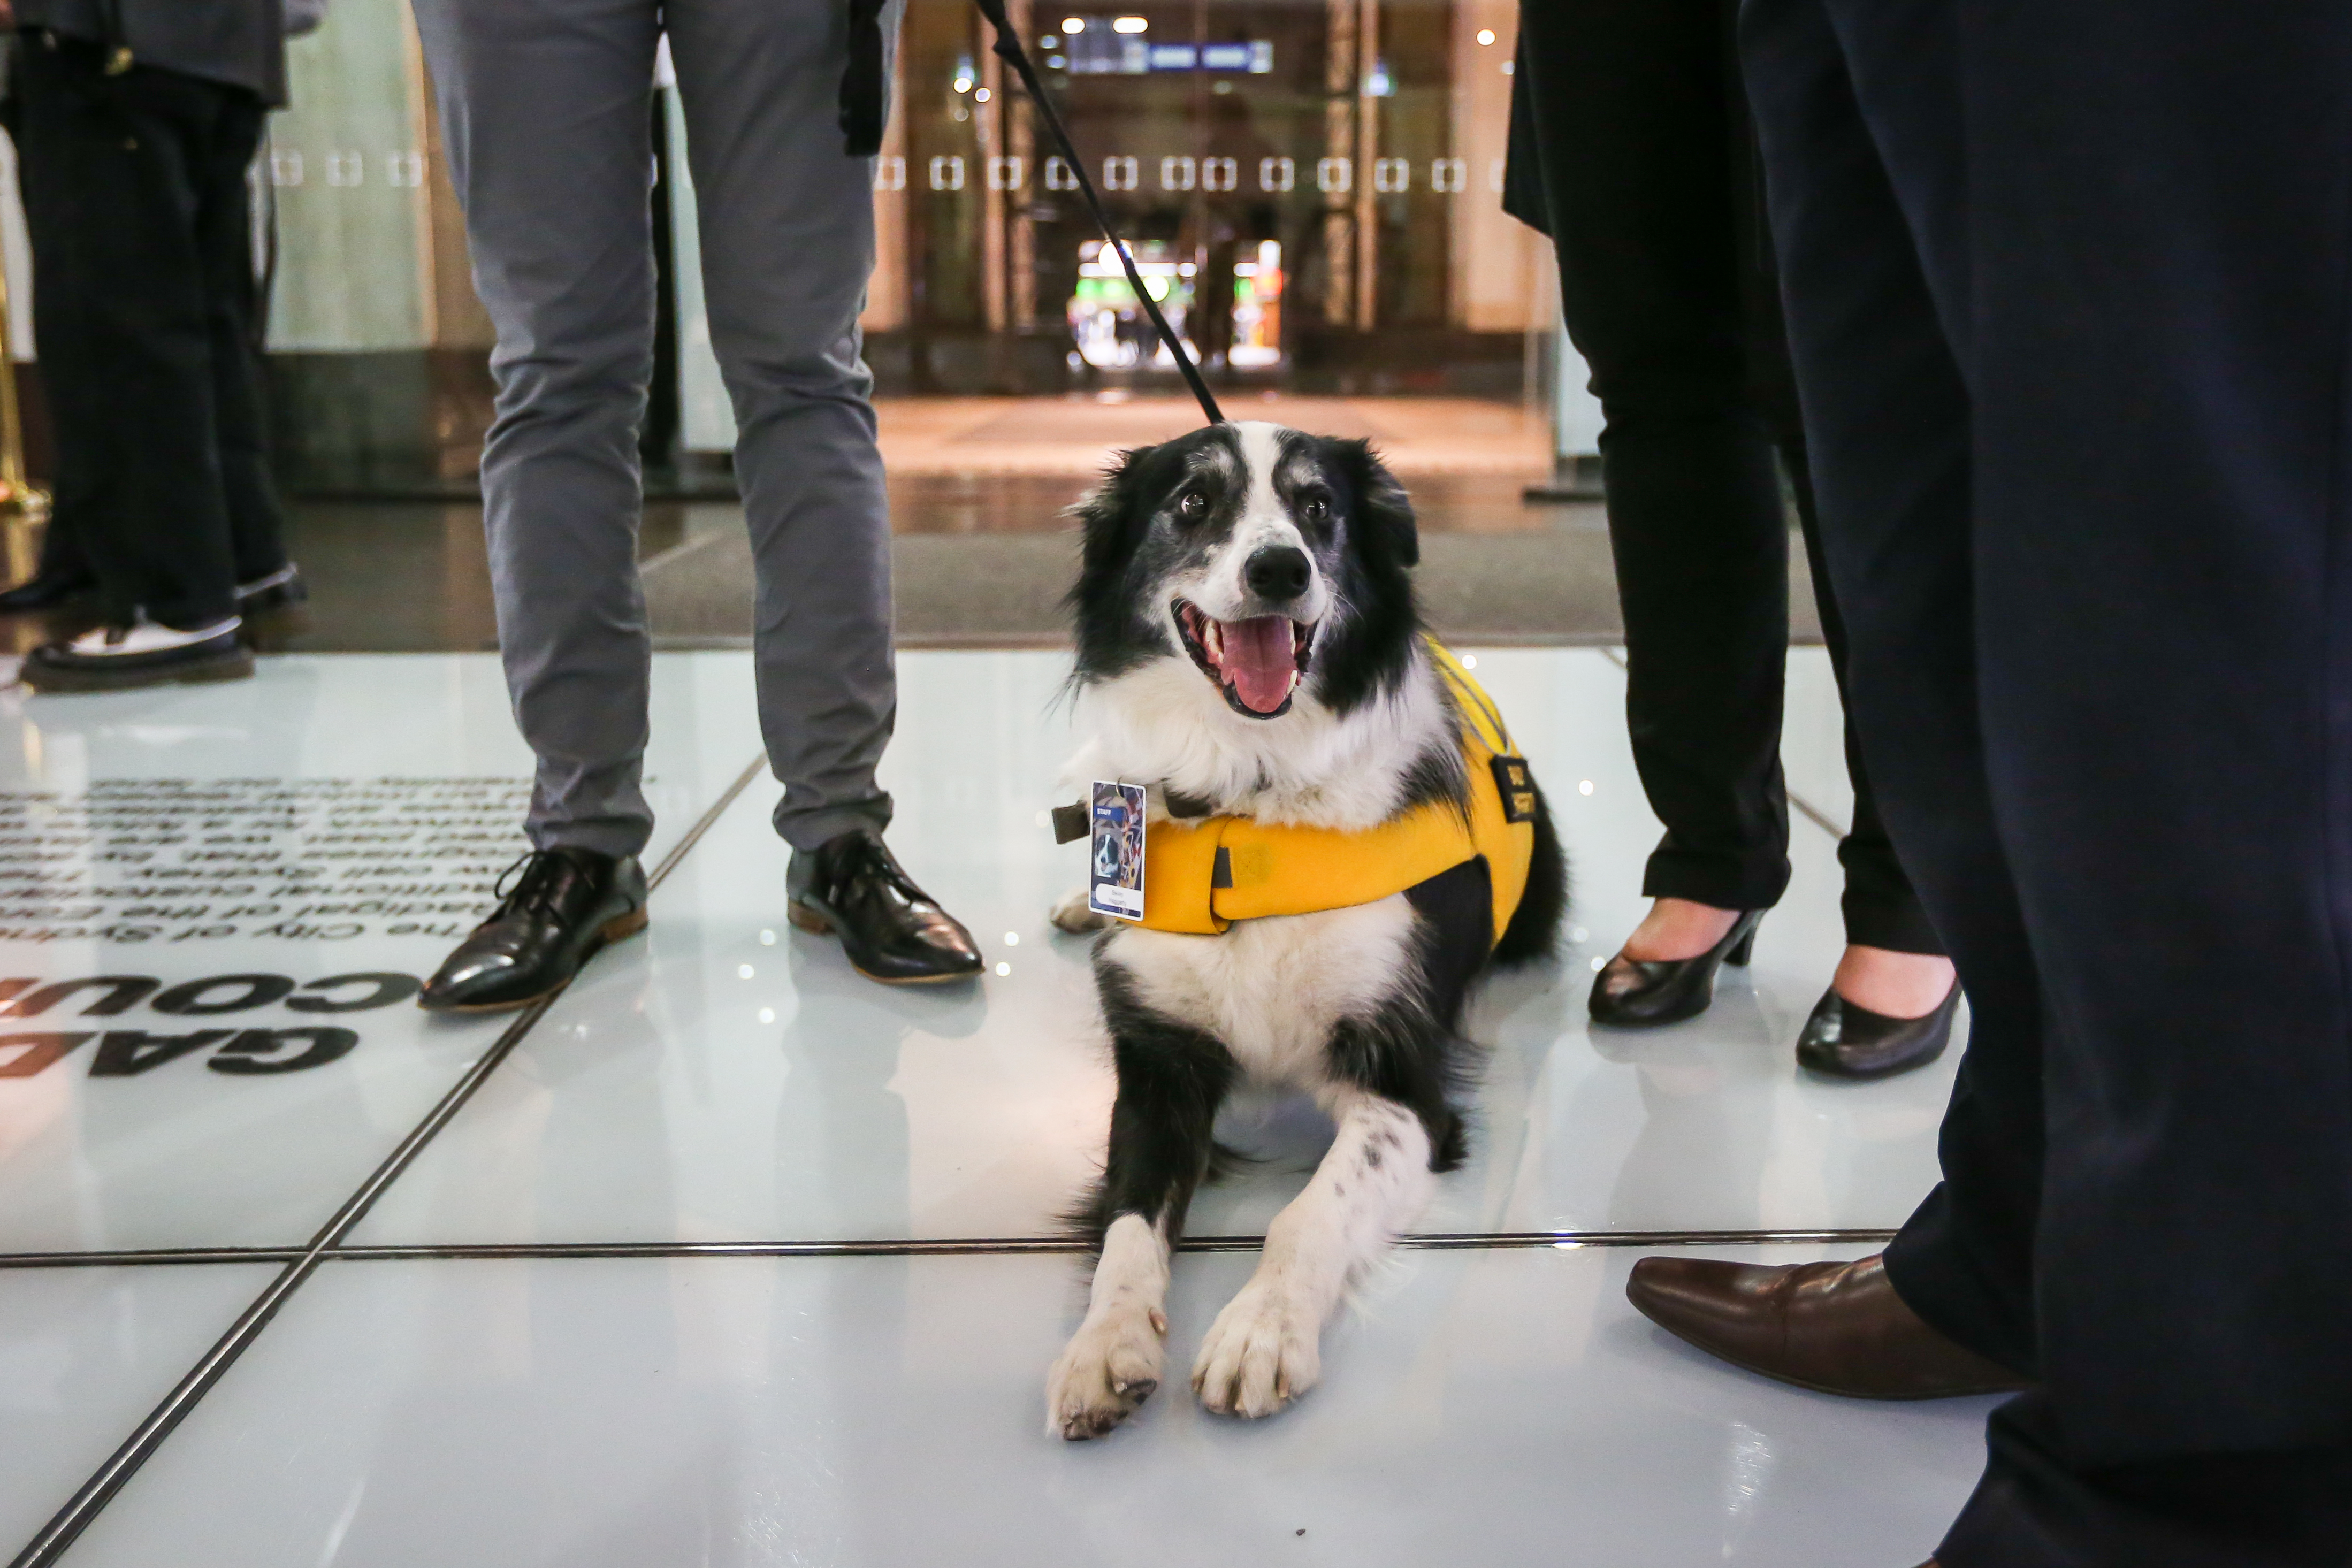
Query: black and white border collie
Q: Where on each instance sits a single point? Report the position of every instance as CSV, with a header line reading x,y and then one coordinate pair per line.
x,y
1248,644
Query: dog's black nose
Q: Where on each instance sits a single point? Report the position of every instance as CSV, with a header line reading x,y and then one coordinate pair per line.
x,y
1278,572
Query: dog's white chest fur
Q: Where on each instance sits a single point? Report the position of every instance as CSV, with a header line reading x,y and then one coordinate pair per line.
x,y
1272,989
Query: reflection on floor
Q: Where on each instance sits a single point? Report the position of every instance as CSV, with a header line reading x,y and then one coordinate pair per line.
x,y
731,1256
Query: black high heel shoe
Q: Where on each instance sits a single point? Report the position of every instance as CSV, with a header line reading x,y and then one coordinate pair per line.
x,y
1847,1042
1653,993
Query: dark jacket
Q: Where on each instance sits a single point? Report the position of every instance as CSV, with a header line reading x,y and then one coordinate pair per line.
x,y
1523,187
242,42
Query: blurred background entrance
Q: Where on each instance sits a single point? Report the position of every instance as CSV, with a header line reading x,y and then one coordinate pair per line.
x,y
1315,184
1314,191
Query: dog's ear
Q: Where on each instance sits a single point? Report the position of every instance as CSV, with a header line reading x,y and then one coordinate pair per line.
x,y
1109,512
1383,517
1112,520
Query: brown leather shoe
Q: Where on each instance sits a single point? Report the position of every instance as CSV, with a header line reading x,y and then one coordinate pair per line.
x,y
1837,1328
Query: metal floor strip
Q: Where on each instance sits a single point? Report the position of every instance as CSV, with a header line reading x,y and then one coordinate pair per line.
x,y
1815,815
895,1247
1017,1246
122,1256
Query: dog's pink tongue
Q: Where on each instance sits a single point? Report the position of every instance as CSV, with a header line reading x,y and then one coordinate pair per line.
x,y
1259,661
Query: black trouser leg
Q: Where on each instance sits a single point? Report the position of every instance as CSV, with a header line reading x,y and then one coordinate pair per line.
x,y
118,176
1670,294
256,518
1880,906
1628,103
61,554
59,313
1888,417
2077,441
62,551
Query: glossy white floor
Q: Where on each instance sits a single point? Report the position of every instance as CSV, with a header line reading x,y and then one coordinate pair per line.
x,y
734,1258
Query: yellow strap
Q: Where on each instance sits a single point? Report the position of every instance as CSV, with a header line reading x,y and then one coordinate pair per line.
x,y
1299,871
1509,847
1477,708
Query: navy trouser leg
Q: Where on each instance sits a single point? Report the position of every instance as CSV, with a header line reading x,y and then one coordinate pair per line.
x,y
2070,291
1886,415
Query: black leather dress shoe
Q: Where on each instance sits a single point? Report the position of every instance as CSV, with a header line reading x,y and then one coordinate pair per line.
x,y
853,887
1838,1328
124,658
1635,993
566,904
1847,1042
45,589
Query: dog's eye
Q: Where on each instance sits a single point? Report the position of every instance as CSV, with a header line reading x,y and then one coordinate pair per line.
x,y
1191,504
1315,509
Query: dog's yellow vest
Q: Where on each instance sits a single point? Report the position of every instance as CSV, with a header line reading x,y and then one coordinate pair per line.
x,y
1208,873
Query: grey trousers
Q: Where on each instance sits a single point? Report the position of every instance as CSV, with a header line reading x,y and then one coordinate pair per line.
x,y
546,105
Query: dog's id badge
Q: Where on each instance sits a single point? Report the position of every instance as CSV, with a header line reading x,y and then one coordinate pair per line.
x,y
1518,788
1115,869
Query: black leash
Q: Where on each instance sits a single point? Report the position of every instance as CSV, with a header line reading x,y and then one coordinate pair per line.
x,y
1008,48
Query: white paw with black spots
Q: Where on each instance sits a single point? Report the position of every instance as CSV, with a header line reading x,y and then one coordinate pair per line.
x,y
1073,915
1261,1353
1108,1369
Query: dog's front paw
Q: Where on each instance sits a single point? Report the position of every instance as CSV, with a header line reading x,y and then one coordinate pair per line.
x,y
1072,915
1261,1353
1110,1367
